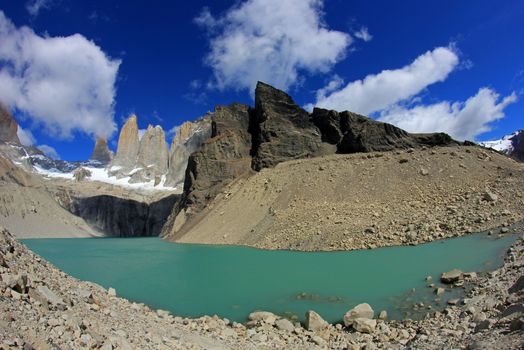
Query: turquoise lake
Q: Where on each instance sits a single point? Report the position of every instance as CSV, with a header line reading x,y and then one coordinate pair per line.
x,y
195,280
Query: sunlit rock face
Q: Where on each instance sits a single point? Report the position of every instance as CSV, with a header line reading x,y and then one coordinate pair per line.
x,y
188,138
127,149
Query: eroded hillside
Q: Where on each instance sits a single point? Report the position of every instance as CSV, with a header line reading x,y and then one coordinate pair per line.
x,y
366,200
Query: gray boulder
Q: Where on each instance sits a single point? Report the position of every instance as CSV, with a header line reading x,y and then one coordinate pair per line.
x,y
360,311
314,322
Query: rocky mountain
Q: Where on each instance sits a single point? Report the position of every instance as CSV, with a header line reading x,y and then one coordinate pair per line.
x,y
246,139
512,145
8,126
127,149
188,138
101,152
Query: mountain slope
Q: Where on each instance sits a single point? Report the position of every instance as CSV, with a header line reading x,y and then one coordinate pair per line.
x,y
363,201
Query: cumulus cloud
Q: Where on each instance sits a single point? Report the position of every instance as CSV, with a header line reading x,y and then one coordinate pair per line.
x,y
462,120
378,91
26,137
270,40
363,34
49,151
65,84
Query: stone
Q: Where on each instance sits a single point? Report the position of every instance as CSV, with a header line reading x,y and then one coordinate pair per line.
x,y
314,322
364,325
111,292
45,296
452,276
284,325
517,286
101,152
81,173
453,301
440,291
363,310
263,316
490,196
8,126
318,340
383,315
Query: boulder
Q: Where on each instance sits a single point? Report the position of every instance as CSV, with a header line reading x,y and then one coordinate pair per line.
x,y
101,152
452,276
8,126
284,325
364,325
263,317
81,173
45,296
360,311
314,322
281,129
517,286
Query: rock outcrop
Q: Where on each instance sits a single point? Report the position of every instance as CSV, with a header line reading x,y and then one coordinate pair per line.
x,y
101,152
188,138
153,156
222,158
352,133
8,126
282,130
127,150
276,130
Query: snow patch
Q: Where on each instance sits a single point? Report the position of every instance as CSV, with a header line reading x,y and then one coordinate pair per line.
x,y
504,145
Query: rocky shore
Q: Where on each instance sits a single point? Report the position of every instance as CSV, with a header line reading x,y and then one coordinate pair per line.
x,y
41,307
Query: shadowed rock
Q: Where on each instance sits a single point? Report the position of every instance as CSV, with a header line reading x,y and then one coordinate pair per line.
x,y
8,126
101,152
282,130
352,133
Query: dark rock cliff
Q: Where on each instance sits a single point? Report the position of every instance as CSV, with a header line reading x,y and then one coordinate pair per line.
x,y
121,217
517,142
276,130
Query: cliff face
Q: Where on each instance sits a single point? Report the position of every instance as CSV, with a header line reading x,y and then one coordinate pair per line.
x,y
8,126
101,152
276,130
517,142
127,150
188,138
121,217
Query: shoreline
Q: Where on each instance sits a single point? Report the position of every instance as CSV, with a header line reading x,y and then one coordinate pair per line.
x,y
101,309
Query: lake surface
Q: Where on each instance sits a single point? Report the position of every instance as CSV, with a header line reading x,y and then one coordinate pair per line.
x,y
195,280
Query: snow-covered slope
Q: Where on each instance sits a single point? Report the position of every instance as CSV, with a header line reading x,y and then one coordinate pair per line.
x,y
503,145
512,145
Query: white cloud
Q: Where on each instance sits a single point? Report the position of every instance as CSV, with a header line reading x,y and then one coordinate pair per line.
x,y
49,151
462,120
25,136
378,91
270,40
65,84
363,34
34,6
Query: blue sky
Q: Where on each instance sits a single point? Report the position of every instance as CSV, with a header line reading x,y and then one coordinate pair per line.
x,y
72,70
